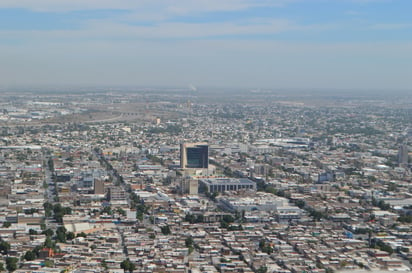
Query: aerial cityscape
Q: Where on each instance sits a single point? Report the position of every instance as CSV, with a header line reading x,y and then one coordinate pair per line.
x,y
205,136
177,181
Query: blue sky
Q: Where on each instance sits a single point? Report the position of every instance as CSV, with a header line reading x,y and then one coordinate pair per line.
x,y
235,43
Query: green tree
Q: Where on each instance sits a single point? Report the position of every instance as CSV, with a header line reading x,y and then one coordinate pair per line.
x,y
31,211
48,243
189,241
4,247
190,218
200,218
189,244
61,234
50,164
228,218
121,211
67,210
387,248
32,232
6,224
165,230
127,265
48,232
107,210
104,264
265,247
405,219
300,203
36,250
11,263
48,206
70,236
48,263
262,269
29,256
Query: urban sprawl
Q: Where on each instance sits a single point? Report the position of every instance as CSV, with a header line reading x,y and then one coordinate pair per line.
x,y
188,182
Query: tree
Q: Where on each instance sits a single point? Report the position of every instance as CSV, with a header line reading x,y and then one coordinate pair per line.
x,y
6,224
300,203
386,248
104,265
126,265
224,224
29,256
165,230
107,210
2,267
405,219
189,244
32,232
121,211
190,218
189,241
11,263
70,236
60,211
228,218
200,218
4,247
31,211
48,263
50,164
36,250
67,210
61,234
48,242
48,232
262,269
211,196
265,247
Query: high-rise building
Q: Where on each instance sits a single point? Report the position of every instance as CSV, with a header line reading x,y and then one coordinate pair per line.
x,y
98,186
403,155
194,155
189,185
116,194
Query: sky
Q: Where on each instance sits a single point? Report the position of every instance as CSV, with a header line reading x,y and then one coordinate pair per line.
x,y
337,44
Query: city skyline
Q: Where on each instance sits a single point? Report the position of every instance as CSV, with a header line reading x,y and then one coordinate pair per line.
x,y
346,44
257,182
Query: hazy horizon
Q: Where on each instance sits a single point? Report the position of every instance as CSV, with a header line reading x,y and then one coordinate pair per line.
x,y
203,90
270,44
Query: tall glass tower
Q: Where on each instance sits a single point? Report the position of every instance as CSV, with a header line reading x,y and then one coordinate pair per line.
x,y
194,155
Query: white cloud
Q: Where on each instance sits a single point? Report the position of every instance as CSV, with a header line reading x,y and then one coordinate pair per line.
x,y
354,13
107,30
369,1
390,26
189,30
163,6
